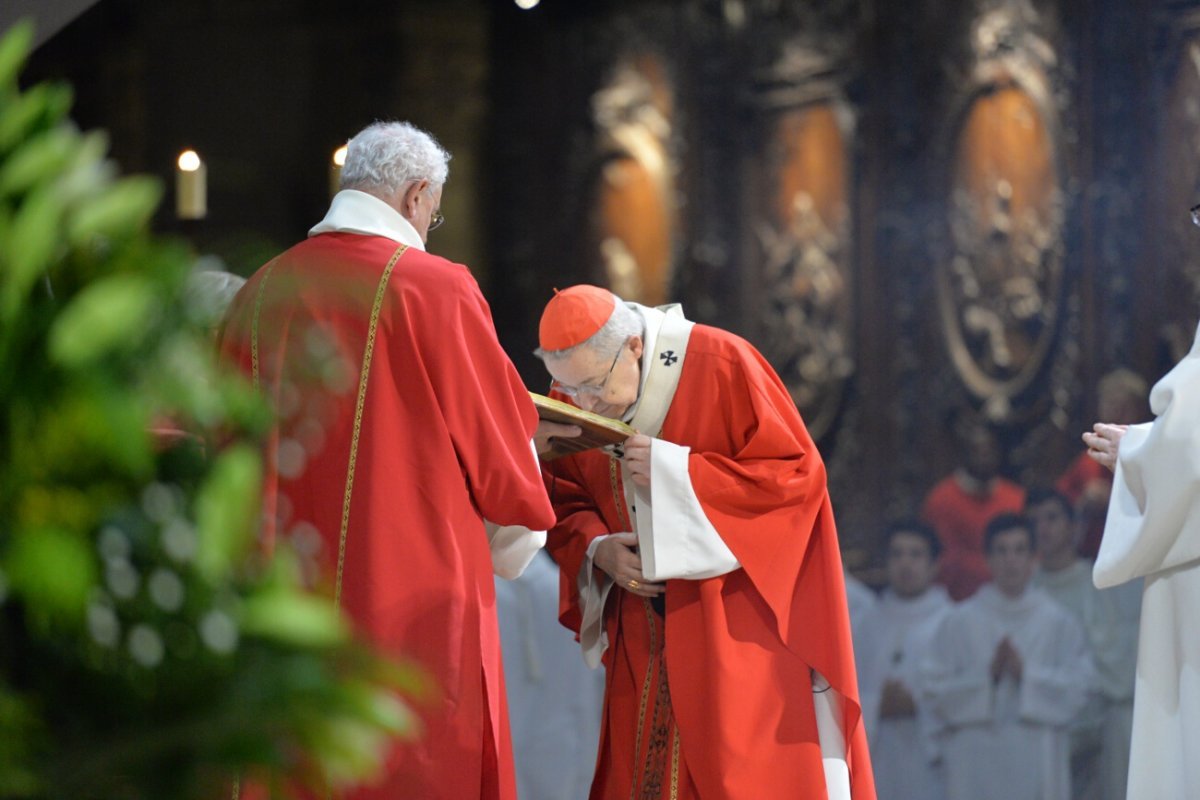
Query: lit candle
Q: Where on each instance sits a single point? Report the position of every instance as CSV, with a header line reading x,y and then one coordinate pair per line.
x,y
335,169
191,187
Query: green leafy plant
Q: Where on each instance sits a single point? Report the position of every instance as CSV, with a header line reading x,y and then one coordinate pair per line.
x,y
147,648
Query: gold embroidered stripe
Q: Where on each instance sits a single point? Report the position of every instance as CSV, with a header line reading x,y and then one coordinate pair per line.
x,y
646,684
619,499
661,721
258,299
675,763
380,293
618,495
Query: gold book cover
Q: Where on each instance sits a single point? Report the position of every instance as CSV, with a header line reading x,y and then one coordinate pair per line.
x,y
598,431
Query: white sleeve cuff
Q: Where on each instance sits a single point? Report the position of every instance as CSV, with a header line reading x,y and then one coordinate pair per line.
x,y
513,547
675,538
593,594
831,733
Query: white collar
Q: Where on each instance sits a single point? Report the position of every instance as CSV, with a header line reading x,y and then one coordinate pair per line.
x,y
649,335
353,211
652,320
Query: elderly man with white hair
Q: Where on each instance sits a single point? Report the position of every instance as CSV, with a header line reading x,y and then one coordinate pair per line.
x,y
401,424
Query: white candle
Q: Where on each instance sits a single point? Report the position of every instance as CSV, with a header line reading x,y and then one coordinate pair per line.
x,y
191,186
335,169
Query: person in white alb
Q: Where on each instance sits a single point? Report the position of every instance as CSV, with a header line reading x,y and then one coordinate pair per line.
x,y
1007,672
1153,532
890,642
1100,735
860,599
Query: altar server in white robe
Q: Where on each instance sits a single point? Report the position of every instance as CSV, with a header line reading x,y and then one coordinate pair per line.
x,y
554,699
1100,736
1153,532
859,598
1007,672
890,642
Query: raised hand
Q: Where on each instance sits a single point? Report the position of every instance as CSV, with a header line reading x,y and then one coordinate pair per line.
x,y
637,458
1103,441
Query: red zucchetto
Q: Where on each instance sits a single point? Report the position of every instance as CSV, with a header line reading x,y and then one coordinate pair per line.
x,y
574,315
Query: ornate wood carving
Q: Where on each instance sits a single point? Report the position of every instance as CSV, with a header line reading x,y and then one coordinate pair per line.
x,y
634,212
1000,287
799,199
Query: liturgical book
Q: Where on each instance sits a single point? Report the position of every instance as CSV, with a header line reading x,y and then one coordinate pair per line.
x,y
598,431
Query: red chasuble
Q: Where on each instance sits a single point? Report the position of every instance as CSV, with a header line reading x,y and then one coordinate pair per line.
x,y
714,699
403,425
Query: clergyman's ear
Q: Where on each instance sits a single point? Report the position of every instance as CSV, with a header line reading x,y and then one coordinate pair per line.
x,y
409,200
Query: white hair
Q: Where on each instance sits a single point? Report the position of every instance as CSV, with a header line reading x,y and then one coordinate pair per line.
x,y
623,324
207,293
1123,384
384,157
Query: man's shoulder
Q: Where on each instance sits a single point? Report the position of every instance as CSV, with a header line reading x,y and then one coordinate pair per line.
x,y
714,350
1009,491
416,273
431,268
1051,606
1081,570
984,603
372,248
944,490
707,339
957,620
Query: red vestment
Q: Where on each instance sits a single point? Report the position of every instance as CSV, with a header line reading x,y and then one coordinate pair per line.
x,y
1083,472
396,472
960,518
738,718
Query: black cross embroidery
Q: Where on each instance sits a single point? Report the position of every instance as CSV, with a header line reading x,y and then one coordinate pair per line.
x,y
668,357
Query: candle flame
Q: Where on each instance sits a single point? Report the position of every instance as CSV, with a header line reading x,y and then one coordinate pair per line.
x,y
527,4
339,156
189,161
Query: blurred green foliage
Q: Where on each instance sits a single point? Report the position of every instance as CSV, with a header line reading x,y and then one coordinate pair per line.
x,y
147,649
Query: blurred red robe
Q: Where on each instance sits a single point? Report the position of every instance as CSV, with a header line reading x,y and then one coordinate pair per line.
x,y
1084,474
737,721
960,518
394,468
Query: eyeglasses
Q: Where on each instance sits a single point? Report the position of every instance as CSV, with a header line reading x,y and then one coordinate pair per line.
x,y
436,219
593,391
1196,215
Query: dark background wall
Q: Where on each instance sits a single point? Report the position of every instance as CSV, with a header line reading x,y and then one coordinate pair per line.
x,y
829,179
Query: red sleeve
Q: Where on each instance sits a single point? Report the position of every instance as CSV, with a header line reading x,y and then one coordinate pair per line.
x,y
762,485
484,404
760,479
579,523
